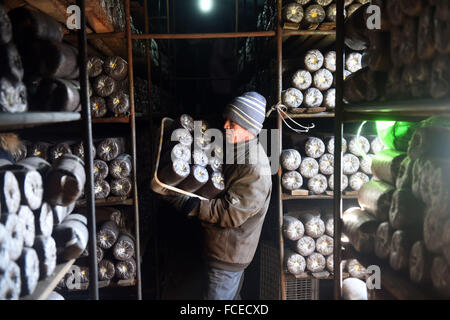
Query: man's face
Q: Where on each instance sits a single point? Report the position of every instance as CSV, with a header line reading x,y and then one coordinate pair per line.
x,y
235,133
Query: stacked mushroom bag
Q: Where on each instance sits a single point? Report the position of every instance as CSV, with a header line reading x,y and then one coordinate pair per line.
x,y
51,68
110,85
313,85
190,160
404,212
37,199
309,243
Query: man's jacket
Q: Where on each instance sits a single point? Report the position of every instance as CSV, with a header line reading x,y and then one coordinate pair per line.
x,y
233,221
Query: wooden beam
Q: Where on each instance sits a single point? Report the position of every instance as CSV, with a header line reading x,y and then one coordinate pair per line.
x,y
12,4
97,17
57,9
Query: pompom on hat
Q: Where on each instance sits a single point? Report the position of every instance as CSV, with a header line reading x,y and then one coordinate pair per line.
x,y
248,111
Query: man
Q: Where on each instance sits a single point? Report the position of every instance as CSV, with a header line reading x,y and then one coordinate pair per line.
x,y
232,222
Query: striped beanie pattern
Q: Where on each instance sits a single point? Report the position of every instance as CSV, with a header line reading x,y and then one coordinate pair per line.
x,y
248,111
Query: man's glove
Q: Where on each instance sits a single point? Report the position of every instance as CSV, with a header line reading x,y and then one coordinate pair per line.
x,y
183,203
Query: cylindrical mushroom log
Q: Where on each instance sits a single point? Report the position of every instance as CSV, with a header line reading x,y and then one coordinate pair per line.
x,y
11,63
101,169
116,67
329,98
126,269
433,229
404,176
330,145
406,212
196,179
323,79
179,151
174,172
36,163
293,228
290,159
440,274
46,250
95,66
106,270
344,182
313,60
356,269
121,166
358,147
61,212
27,218
71,239
365,164
39,149
376,145
313,98
375,197
292,98
121,187
213,187
44,220
318,184
118,103
419,263
350,163
10,282
5,27
199,157
104,86
330,61
314,226
10,192
314,147
386,164
359,226
291,180
400,247
357,180
124,248
353,62
324,245
65,180
15,228
110,148
383,238
102,189
305,246
185,121
56,95
29,271
309,167
58,150
183,136
315,262
5,243
428,142
98,107
326,164
13,97
107,235
34,24
31,187
302,80
295,263
329,225
293,12
314,14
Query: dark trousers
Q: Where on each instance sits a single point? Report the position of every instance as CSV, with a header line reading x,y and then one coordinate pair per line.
x,y
223,285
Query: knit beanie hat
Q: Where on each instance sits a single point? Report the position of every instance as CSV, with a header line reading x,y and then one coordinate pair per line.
x,y
248,111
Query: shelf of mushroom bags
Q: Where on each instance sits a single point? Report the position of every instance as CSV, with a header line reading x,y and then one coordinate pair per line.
x,y
311,92
308,165
41,236
405,64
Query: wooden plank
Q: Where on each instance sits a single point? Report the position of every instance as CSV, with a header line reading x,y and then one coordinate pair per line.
x,y
46,286
12,4
57,9
97,17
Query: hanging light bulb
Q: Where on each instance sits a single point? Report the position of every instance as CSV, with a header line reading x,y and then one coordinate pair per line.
x,y
205,5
